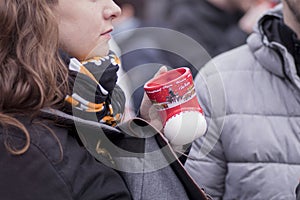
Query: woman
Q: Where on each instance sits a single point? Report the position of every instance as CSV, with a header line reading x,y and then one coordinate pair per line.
x,y
43,46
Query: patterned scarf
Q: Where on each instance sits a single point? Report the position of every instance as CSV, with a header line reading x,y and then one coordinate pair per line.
x,y
94,93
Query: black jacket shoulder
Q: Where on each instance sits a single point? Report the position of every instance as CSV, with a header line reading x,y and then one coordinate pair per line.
x,y
55,166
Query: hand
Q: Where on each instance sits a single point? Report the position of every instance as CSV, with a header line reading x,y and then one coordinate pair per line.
x,y
147,110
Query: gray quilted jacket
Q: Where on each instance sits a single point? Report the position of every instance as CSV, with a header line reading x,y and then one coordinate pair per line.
x,y
251,98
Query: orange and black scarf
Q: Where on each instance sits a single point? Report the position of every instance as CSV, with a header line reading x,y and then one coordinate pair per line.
x,y
94,94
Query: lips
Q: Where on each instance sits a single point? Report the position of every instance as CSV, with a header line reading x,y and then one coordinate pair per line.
x,y
107,32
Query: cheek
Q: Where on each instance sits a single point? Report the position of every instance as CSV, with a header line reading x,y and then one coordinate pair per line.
x,y
78,40
87,29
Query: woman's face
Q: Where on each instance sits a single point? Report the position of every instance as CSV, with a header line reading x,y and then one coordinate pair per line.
x,y
85,26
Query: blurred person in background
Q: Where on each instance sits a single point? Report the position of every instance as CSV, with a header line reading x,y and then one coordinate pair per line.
x,y
251,99
218,25
157,12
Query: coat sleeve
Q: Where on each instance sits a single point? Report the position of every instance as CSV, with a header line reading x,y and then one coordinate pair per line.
x,y
206,162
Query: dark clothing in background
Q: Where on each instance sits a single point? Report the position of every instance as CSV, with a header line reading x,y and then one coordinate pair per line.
x,y
216,30
138,62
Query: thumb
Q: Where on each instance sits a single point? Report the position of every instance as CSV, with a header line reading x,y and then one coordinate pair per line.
x,y
161,70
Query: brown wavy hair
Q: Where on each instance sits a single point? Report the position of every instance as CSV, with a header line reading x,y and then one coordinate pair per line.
x,y
32,75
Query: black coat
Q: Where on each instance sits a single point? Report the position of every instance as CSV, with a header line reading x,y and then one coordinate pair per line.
x,y
46,172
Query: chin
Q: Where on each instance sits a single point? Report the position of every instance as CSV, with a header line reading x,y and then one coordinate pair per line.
x,y
98,52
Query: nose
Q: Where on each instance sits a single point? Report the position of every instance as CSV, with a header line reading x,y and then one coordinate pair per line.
x,y
112,11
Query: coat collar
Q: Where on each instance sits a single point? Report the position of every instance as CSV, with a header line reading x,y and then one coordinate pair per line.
x,y
272,55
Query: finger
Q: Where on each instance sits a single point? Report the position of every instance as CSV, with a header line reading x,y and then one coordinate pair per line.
x,y
161,70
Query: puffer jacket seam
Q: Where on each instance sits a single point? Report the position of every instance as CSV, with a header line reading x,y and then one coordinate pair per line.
x,y
255,114
261,162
